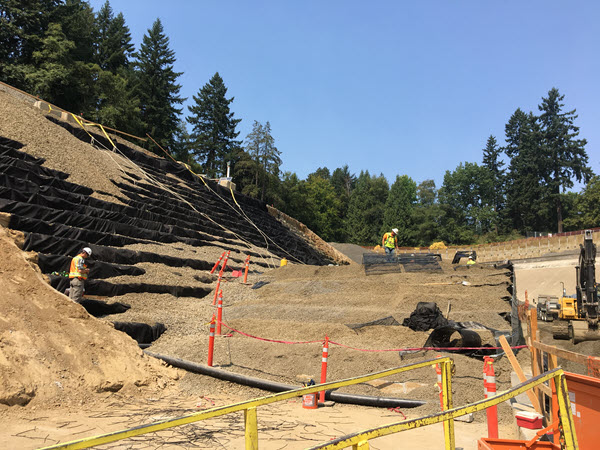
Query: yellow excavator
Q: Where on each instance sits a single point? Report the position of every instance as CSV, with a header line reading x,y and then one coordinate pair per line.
x,y
579,316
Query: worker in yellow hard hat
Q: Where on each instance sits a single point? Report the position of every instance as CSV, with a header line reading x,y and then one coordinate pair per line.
x,y
390,241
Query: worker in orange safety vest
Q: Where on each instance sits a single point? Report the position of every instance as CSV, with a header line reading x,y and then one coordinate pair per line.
x,y
78,273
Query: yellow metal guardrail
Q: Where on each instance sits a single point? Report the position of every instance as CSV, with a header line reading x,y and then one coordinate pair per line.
x,y
249,408
360,440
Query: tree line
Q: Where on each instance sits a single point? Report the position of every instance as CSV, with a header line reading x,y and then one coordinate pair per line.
x,y
85,62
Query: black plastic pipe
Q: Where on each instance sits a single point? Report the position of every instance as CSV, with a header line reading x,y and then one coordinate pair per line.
x,y
273,386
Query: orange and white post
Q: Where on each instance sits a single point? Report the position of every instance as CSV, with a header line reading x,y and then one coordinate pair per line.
x,y
219,312
211,342
324,367
220,277
218,262
489,386
246,265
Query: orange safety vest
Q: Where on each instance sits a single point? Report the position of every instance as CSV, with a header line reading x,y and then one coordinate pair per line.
x,y
389,240
74,270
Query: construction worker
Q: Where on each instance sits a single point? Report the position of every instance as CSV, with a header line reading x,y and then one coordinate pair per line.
x,y
390,241
78,273
471,261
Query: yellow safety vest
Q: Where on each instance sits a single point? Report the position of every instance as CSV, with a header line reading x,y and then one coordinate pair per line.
x,y
390,241
74,270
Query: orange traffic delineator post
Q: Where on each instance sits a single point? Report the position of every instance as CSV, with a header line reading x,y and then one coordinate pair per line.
x,y
324,367
217,263
246,265
219,312
489,388
220,277
438,371
211,341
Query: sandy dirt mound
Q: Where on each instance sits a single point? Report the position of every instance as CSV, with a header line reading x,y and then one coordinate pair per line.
x,y
52,350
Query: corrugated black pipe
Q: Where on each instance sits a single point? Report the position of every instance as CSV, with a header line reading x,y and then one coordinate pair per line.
x,y
272,386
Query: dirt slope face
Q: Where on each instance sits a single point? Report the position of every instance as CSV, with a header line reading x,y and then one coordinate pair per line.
x,y
52,350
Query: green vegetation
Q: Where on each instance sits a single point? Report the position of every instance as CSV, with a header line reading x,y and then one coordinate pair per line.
x,y
85,62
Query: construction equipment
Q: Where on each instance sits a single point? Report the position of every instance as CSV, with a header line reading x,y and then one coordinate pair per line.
x,y
582,312
548,308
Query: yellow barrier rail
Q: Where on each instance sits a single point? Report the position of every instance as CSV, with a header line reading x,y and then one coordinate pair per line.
x,y
249,408
361,439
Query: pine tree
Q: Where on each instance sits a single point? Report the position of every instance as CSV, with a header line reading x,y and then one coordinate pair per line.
x,y
527,195
494,185
399,208
366,209
23,27
113,47
213,127
157,86
567,158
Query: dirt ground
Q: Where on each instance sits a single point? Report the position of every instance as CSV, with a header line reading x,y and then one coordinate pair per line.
x,y
298,303
65,375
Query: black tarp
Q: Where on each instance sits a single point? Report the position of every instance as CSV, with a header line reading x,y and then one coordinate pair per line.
x,y
106,289
426,316
98,269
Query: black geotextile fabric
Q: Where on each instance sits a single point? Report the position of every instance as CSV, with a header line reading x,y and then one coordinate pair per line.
x,y
107,289
154,204
6,142
68,232
42,180
98,269
426,316
42,243
141,332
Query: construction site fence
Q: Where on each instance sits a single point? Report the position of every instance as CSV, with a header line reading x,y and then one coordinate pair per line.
x,y
518,249
249,407
360,440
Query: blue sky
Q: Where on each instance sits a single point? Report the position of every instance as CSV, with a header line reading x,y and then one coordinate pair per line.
x,y
392,87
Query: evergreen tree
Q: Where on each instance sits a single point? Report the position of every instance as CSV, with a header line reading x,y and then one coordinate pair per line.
x,y
586,212
23,27
157,86
213,131
366,209
399,208
426,193
463,195
527,195
324,206
343,181
494,185
567,158
113,47
52,77
322,172
260,145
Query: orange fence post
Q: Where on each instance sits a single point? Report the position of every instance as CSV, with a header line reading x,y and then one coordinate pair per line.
x,y
438,371
220,277
219,312
211,342
489,387
217,263
247,264
324,367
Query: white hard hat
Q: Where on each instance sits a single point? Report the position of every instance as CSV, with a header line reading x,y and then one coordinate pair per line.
x,y
87,250
395,230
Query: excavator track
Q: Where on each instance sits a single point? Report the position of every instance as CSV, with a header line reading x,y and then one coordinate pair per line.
x,y
560,330
580,331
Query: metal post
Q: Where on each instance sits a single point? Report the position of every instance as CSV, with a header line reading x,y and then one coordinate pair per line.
x,y
447,404
251,429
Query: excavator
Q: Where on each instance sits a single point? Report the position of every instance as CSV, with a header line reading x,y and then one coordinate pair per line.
x,y
584,314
